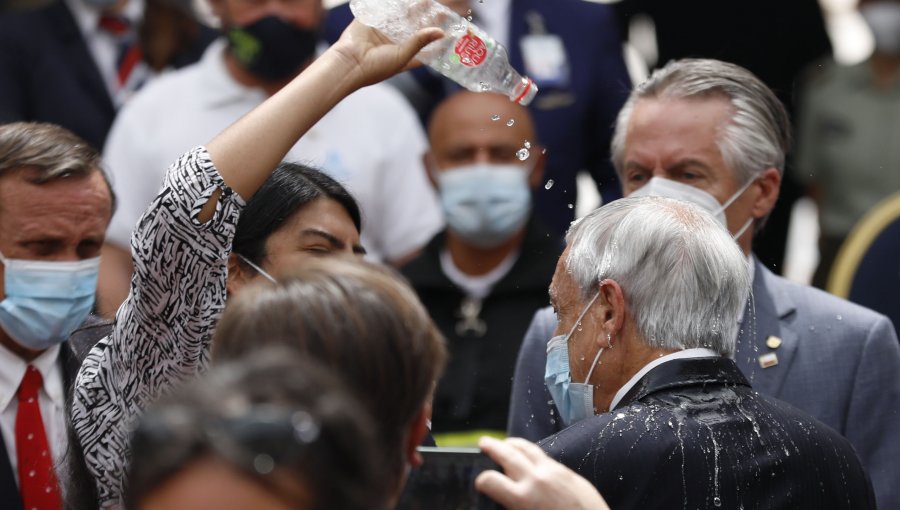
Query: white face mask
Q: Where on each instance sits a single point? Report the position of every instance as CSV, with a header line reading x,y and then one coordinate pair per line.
x,y
884,20
667,188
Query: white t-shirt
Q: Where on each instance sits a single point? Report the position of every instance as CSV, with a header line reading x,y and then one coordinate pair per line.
x,y
371,142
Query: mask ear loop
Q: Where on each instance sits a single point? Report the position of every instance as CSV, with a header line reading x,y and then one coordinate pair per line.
x,y
583,312
258,269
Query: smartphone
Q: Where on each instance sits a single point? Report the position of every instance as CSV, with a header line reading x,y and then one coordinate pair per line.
x,y
446,481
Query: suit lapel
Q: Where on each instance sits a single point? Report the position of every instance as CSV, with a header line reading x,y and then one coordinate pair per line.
x,y
77,56
766,315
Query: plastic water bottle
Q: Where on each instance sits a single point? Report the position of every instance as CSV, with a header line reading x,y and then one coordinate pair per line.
x,y
466,54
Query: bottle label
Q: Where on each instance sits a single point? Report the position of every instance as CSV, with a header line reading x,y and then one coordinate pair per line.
x,y
471,50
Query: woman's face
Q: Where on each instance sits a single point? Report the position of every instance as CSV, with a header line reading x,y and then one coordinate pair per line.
x,y
319,229
210,484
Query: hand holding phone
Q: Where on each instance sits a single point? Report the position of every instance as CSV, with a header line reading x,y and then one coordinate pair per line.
x,y
533,481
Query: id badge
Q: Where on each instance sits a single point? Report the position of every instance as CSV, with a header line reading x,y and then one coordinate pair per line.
x,y
545,60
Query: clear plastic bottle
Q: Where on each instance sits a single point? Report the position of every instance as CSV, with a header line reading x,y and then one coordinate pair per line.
x,y
466,54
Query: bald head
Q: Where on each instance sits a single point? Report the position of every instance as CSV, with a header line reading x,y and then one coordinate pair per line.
x,y
462,130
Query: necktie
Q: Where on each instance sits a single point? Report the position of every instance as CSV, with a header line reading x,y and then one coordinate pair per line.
x,y
37,480
129,53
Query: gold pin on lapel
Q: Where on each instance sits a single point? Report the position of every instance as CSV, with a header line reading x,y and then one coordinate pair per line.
x,y
773,342
769,359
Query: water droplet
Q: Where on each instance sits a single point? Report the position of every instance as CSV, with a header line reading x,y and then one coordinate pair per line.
x,y
544,151
510,122
549,184
527,144
717,501
840,318
495,117
571,206
812,328
621,477
484,86
523,154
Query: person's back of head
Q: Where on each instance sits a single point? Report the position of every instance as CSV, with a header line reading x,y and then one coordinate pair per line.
x,y
273,430
684,278
361,320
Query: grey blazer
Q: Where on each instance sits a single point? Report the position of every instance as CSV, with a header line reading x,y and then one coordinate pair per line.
x,y
836,360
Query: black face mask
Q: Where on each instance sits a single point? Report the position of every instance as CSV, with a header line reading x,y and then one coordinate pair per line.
x,y
272,49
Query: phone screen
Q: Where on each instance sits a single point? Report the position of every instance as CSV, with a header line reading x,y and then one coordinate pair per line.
x,y
446,481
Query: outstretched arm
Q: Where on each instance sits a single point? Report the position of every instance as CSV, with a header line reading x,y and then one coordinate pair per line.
x,y
249,150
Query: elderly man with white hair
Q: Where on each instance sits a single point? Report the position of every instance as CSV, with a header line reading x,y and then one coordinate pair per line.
x,y
712,133
648,294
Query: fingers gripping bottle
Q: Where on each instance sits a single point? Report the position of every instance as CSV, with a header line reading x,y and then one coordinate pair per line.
x,y
466,54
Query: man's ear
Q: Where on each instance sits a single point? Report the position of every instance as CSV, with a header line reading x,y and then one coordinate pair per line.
x,y
418,428
769,183
430,168
238,274
539,162
611,307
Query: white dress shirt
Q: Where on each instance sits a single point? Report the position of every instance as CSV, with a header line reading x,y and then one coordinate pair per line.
x,y
105,48
51,399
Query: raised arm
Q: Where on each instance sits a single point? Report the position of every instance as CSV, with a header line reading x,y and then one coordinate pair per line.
x,y
249,150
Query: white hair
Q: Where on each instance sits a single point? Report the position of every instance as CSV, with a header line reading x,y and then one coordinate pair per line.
x,y
684,279
758,135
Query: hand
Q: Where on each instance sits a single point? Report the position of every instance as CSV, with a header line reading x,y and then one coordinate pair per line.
x,y
532,480
373,57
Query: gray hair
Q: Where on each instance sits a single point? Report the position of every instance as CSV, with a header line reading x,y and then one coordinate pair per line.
x,y
52,151
758,136
685,280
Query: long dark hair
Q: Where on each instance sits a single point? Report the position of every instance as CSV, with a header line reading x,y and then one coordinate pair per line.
x,y
290,188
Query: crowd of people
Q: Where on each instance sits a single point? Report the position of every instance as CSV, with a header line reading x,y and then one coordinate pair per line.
x,y
247,269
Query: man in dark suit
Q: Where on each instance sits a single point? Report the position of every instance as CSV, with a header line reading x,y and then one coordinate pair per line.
x,y
648,294
74,62
572,50
55,205
835,360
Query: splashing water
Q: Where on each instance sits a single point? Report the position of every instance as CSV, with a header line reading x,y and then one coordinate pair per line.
x,y
510,122
527,144
495,117
523,154
549,184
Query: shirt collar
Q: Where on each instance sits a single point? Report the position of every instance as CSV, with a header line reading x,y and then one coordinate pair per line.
x,y
12,369
699,352
88,18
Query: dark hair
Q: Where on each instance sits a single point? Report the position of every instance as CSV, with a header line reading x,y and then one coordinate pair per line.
x,y
291,187
359,318
53,151
281,420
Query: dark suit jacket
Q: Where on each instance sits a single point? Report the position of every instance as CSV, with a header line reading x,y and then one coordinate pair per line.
x,y
80,490
574,122
47,74
693,434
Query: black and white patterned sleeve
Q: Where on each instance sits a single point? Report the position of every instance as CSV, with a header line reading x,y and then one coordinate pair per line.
x,y
163,329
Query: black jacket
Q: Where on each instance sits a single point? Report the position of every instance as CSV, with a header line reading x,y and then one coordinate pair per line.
x,y
693,434
474,391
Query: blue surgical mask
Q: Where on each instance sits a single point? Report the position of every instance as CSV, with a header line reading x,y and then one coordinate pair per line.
x,y
574,401
46,301
662,187
485,204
